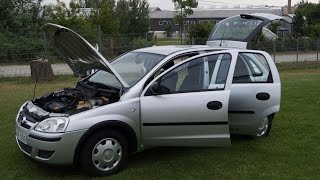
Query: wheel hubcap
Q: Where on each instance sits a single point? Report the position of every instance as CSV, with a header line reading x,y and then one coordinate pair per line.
x,y
263,128
106,154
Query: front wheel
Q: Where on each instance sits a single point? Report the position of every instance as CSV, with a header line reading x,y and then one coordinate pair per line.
x,y
265,126
104,153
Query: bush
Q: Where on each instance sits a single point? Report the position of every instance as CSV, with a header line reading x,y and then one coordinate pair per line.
x,y
200,32
21,48
138,42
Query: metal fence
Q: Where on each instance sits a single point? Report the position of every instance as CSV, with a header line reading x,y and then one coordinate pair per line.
x,y
32,44
283,50
21,48
290,50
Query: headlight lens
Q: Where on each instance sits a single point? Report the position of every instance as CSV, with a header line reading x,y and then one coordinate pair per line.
x,y
53,125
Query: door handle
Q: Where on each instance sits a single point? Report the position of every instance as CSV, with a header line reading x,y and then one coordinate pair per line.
x,y
214,105
263,96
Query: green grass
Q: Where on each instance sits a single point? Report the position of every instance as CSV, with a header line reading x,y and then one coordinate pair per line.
x,y
300,65
290,152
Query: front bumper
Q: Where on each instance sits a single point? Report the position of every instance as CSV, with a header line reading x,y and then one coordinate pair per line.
x,y
50,148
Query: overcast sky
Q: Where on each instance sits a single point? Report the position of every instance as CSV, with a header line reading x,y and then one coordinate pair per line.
x,y
167,4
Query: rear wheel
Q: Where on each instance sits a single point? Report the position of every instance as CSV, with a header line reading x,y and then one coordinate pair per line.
x,y
104,153
265,126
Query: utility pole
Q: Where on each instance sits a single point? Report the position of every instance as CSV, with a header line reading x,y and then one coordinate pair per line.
x,y
289,7
181,24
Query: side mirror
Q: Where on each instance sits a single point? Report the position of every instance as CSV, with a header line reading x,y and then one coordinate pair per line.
x,y
155,88
257,74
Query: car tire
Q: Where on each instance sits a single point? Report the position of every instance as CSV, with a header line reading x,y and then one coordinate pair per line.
x,y
104,153
265,126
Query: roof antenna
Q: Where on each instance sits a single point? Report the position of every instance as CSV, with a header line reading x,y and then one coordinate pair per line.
x,y
224,30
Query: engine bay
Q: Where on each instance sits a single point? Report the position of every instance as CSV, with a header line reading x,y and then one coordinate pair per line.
x,y
85,96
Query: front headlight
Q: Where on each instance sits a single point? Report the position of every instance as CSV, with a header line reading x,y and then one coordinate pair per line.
x,y
53,125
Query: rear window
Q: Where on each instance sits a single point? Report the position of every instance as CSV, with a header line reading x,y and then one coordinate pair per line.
x,y
252,68
236,28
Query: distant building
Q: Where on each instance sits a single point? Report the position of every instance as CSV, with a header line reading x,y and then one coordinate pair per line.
x,y
159,19
154,9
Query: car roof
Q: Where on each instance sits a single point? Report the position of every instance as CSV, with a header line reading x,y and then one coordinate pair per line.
x,y
167,50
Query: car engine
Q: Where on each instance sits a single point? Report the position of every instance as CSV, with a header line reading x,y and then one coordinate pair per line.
x,y
75,100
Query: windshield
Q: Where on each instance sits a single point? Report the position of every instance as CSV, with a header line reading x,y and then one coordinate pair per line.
x,y
131,67
235,28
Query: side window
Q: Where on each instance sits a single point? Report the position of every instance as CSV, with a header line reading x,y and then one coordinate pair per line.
x,y
205,73
252,68
169,64
174,62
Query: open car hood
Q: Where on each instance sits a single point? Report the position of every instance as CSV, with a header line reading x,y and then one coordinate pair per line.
x,y
78,53
237,31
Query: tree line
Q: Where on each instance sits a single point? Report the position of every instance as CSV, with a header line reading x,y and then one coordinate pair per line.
x,y
121,16
20,22
306,21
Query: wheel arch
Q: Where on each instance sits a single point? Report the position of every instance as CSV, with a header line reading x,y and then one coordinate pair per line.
x,y
120,126
270,111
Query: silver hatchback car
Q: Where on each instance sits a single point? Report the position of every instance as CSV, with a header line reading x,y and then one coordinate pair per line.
x,y
157,96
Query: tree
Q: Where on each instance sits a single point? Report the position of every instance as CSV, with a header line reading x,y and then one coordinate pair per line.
x,y
138,16
315,30
19,22
201,32
20,13
306,20
105,17
183,9
94,3
62,15
6,15
122,12
273,26
169,28
299,24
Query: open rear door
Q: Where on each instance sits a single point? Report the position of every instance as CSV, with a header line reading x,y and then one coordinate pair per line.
x,y
237,31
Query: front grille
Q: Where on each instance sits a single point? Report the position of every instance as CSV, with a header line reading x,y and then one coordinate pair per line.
x,y
28,116
33,117
25,120
25,147
45,154
25,125
20,117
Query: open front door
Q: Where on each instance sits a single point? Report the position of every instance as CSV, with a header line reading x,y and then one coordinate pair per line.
x,y
190,105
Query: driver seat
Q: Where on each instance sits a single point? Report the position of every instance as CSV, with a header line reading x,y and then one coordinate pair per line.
x,y
193,80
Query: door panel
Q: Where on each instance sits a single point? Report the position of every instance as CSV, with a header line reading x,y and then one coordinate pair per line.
x,y
254,94
190,110
185,120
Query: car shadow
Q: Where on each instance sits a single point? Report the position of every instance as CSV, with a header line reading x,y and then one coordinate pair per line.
x,y
144,157
163,153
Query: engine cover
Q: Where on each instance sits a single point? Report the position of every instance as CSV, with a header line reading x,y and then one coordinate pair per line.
x,y
56,107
